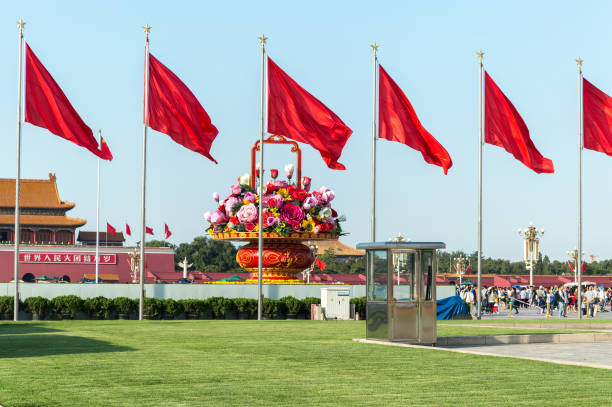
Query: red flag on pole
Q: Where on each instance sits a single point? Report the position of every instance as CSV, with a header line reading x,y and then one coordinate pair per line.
x,y
319,263
47,106
571,265
505,128
398,122
167,231
128,231
296,114
105,152
175,111
148,230
468,270
597,118
110,230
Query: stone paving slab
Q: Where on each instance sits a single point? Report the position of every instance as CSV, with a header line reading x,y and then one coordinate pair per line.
x,y
587,354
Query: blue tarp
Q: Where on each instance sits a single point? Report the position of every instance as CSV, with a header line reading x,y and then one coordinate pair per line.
x,y
449,306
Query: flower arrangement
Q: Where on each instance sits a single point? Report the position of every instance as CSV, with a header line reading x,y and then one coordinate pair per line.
x,y
286,208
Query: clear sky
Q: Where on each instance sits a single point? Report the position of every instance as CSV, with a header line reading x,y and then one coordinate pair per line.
x,y
95,52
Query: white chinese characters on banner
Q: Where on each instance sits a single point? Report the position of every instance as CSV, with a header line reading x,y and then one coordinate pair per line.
x,y
67,258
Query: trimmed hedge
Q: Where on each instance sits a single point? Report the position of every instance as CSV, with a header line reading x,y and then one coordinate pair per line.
x,y
68,306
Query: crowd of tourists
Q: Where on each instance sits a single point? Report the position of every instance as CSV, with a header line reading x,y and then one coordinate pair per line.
x,y
546,300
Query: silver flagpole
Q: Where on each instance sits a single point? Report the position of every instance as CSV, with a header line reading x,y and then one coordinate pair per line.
x,y
146,29
17,237
478,293
374,131
98,214
262,40
580,129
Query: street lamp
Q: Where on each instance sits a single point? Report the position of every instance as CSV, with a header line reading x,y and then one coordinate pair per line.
x,y
531,248
313,248
573,254
461,264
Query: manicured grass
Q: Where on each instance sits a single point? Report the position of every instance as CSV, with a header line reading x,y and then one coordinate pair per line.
x,y
287,363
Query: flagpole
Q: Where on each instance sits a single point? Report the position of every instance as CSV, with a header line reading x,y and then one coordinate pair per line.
x,y
17,237
374,91
478,293
146,29
262,40
580,130
98,214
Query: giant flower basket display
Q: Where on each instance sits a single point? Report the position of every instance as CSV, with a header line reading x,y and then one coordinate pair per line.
x,y
292,214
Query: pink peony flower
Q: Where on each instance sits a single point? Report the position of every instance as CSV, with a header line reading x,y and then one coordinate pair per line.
x,y
329,195
249,197
229,204
309,203
291,213
306,183
216,196
218,217
272,221
236,189
296,225
207,215
247,214
280,184
275,201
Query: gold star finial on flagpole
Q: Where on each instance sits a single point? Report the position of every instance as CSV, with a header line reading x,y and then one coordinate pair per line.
x,y
480,55
263,40
374,47
147,30
21,24
579,62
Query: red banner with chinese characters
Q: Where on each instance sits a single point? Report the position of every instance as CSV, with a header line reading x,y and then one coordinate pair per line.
x,y
66,258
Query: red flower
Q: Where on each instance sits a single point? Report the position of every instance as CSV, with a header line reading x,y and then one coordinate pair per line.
x,y
296,225
299,194
334,213
270,188
249,227
290,189
274,173
234,220
292,214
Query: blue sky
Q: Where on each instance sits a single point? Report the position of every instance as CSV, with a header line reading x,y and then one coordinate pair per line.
x,y
95,52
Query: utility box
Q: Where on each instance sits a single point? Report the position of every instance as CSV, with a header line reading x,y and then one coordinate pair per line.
x,y
336,303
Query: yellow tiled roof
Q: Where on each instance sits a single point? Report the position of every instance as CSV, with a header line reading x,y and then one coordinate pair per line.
x,y
42,220
34,193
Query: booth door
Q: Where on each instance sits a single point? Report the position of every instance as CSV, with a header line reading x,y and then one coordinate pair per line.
x,y
377,287
404,289
427,286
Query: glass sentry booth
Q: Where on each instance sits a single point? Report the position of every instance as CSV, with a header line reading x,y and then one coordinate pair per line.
x,y
401,291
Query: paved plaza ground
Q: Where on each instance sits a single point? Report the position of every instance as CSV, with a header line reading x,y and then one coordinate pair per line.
x,y
534,313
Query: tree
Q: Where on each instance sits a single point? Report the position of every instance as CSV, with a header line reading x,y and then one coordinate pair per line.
x,y
159,243
208,255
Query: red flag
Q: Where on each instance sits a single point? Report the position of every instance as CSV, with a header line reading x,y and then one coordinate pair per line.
x,y
47,106
468,270
128,231
167,231
148,230
571,266
584,266
110,230
505,128
296,114
597,118
319,263
105,152
399,122
175,111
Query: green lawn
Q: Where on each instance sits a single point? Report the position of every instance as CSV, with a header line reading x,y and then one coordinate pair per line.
x,y
287,363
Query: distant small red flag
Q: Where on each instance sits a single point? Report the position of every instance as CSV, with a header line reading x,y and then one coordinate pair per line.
x,y
128,231
105,152
468,270
296,114
175,111
584,266
167,231
571,266
399,122
47,106
505,128
110,230
319,263
148,230
597,118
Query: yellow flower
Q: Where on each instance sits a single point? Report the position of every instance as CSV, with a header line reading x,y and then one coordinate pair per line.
x,y
308,225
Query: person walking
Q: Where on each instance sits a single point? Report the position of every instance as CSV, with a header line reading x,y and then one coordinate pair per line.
x,y
563,301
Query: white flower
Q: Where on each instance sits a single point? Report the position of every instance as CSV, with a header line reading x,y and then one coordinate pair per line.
x,y
342,218
245,179
289,170
325,213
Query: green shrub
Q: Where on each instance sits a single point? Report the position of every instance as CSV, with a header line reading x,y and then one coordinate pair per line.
x,y
101,306
242,305
189,305
217,306
172,307
292,305
271,307
125,305
252,306
6,304
153,307
308,301
67,305
360,306
202,306
38,305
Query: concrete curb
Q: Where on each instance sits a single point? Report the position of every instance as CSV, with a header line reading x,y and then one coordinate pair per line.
x,y
480,353
522,339
560,325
